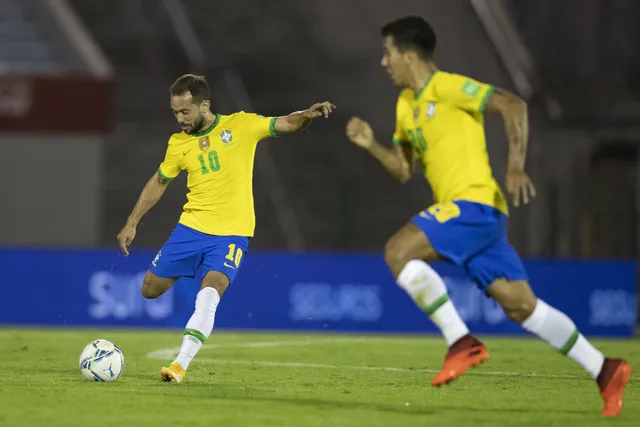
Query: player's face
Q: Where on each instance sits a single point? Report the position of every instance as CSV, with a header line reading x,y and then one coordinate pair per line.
x,y
189,115
394,62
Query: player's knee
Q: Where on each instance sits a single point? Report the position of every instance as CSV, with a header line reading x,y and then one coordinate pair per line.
x,y
217,281
149,291
520,311
515,297
154,286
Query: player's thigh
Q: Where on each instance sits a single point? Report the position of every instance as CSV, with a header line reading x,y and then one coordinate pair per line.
x,y
178,257
453,231
222,261
408,243
154,286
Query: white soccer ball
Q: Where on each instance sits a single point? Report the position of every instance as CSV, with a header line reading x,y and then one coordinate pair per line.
x,y
101,360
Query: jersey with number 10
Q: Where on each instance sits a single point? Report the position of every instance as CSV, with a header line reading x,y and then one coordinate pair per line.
x,y
444,123
219,166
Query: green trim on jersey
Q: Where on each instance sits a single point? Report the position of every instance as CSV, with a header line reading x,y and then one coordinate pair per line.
x,y
485,99
421,91
209,129
163,176
272,127
397,141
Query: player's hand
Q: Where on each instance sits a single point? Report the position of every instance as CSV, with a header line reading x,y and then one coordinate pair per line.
x,y
520,187
125,237
318,110
360,132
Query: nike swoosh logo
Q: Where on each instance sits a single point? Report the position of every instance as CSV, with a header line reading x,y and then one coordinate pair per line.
x,y
186,152
228,265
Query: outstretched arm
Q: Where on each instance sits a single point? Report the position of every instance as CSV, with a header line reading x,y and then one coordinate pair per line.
x,y
151,193
398,161
299,120
513,110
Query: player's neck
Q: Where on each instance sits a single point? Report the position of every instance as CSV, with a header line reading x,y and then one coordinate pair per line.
x,y
209,118
421,75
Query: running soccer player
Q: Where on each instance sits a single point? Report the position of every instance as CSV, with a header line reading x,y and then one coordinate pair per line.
x,y
440,121
212,235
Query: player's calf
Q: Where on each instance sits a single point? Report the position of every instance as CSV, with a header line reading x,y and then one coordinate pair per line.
x,y
516,299
559,331
200,325
405,254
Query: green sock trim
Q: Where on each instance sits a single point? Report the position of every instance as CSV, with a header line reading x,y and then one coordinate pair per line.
x,y
436,304
566,348
196,334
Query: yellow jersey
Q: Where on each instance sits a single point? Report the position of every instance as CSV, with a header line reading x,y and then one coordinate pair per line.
x,y
219,166
444,123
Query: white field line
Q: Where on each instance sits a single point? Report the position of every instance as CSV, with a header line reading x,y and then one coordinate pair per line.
x,y
382,368
170,353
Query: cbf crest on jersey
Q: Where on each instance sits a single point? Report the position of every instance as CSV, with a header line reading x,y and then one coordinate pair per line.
x,y
204,143
431,110
226,136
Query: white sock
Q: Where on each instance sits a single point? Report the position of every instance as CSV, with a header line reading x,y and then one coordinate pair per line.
x,y
561,333
427,289
199,326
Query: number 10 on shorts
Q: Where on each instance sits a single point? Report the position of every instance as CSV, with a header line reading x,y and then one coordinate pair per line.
x,y
234,255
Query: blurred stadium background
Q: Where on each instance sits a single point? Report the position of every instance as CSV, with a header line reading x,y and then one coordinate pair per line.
x,y
84,120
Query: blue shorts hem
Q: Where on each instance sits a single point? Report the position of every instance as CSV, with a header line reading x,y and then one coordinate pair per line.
x,y
473,236
191,254
485,284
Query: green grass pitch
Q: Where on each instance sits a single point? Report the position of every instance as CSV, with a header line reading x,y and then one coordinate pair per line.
x,y
266,379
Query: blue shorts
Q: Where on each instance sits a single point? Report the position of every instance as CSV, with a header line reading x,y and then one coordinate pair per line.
x,y
474,236
191,253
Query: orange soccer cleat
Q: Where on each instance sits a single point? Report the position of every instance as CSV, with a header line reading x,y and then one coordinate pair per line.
x,y
614,375
462,355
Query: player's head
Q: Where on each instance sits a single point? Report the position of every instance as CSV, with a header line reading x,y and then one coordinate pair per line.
x,y
406,42
190,102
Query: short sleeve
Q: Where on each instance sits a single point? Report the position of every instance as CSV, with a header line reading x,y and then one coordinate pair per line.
x,y
463,92
261,127
170,166
403,108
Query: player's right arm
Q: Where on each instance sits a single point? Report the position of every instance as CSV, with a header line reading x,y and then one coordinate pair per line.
x,y
150,195
398,161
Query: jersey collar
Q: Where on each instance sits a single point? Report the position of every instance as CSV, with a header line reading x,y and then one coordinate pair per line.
x,y
421,91
209,129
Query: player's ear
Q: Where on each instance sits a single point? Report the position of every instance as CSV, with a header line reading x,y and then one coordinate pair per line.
x,y
412,56
205,106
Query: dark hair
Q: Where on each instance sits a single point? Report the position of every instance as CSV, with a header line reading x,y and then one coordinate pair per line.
x,y
412,33
196,85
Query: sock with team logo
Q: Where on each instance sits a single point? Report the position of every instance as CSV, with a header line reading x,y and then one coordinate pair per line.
x,y
554,327
428,291
199,326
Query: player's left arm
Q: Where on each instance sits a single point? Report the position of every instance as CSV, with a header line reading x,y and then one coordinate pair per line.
x,y
513,110
299,120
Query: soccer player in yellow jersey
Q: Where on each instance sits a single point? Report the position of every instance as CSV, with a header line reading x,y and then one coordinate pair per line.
x,y
212,235
440,122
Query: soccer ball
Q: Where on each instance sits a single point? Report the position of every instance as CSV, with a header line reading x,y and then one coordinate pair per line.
x,y
101,360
